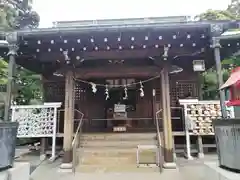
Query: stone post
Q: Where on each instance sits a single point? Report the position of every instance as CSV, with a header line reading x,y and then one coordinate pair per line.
x,y
12,46
217,46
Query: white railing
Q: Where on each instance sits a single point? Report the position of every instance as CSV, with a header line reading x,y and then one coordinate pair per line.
x,y
37,121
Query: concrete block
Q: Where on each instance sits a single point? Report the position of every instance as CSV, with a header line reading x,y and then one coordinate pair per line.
x,y
214,172
20,171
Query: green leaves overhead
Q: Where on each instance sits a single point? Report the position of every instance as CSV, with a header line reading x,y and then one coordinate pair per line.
x,y
212,15
17,14
231,13
210,85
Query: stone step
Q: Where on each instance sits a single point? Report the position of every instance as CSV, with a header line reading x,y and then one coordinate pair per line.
x,y
119,136
117,143
117,169
117,157
114,152
107,149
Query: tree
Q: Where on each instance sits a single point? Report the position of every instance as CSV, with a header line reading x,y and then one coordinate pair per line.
x,y
212,15
231,13
29,87
210,85
17,14
234,8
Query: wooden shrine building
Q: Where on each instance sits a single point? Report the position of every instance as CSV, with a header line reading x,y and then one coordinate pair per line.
x,y
118,73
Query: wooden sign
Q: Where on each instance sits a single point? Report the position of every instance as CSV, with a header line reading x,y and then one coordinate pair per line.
x,y
119,108
198,65
119,129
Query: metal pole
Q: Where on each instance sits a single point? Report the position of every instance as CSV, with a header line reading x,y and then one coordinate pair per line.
x,y
217,46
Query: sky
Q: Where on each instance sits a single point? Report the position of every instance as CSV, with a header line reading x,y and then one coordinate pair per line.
x,y
58,10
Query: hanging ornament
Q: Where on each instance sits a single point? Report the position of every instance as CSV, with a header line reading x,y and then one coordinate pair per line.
x,y
141,89
94,88
125,93
106,92
165,53
66,57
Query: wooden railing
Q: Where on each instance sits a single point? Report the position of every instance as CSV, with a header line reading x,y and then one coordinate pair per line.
x,y
76,142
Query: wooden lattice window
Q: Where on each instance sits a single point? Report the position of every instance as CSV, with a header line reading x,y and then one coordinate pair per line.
x,y
54,91
181,88
80,93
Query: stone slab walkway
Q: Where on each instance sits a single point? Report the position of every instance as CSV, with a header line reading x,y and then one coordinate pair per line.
x,y
187,170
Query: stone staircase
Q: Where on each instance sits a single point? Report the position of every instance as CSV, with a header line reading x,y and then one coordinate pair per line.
x,y
115,152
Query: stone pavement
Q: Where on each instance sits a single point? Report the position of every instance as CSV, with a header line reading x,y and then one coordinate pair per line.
x,y
195,169
47,172
187,170
21,151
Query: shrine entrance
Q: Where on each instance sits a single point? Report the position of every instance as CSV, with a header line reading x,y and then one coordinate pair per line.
x,y
105,50
123,106
119,108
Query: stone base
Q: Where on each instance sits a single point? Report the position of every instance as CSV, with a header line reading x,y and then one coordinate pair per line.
x,y
43,157
169,165
20,171
200,155
65,167
188,157
214,172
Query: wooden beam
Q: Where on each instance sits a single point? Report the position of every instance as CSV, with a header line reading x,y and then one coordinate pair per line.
x,y
117,71
114,54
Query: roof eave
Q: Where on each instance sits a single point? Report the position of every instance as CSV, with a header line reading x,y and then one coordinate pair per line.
x,y
104,28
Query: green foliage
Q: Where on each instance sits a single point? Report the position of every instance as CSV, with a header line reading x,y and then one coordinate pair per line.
x,y
212,15
3,71
231,13
17,14
28,86
210,85
234,8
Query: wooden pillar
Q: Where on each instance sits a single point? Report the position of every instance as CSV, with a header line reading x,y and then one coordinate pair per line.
x,y
68,118
167,121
